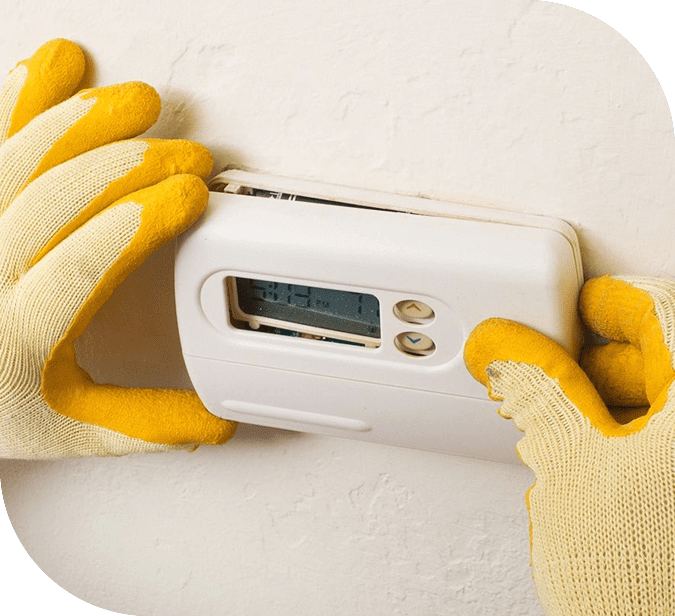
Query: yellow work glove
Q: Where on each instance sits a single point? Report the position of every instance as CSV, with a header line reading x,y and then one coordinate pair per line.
x,y
81,206
602,509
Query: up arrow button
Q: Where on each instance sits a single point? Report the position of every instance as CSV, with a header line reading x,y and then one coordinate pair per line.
x,y
414,311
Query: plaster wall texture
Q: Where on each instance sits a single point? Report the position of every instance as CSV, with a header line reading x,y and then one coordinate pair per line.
x,y
521,105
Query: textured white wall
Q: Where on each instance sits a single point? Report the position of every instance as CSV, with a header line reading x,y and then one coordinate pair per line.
x,y
515,104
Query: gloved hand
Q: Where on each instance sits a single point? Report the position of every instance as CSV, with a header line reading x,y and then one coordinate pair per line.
x,y
602,509
81,206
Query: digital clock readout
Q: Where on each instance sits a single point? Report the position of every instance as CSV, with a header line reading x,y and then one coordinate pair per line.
x,y
340,311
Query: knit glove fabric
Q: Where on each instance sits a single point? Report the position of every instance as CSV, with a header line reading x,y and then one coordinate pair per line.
x,y
602,509
81,206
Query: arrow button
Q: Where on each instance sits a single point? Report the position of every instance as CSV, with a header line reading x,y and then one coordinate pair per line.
x,y
414,343
414,311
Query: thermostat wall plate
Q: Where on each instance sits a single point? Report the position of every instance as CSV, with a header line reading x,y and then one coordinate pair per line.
x,y
328,309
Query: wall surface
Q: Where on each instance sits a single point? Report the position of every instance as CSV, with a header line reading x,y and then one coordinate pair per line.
x,y
515,104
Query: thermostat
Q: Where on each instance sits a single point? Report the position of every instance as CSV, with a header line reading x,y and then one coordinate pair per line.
x,y
328,309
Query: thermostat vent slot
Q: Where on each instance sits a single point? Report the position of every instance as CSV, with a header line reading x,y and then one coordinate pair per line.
x,y
222,185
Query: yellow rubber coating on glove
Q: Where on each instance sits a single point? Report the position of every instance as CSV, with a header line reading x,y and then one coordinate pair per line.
x,y
620,311
119,112
53,72
617,371
162,159
157,416
501,340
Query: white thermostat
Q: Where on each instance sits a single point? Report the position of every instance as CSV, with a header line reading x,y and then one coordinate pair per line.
x,y
328,309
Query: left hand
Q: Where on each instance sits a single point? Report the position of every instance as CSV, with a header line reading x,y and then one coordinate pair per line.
x,y
81,206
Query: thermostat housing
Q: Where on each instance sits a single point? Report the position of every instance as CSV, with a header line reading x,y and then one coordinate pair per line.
x,y
328,309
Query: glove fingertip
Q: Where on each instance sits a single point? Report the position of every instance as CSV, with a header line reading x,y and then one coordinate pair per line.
x,y
168,209
478,350
202,157
617,371
491,340
176,156
126,109
51,75
190,194
613,308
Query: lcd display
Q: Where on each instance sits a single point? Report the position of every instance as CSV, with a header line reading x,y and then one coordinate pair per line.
x,y
330,309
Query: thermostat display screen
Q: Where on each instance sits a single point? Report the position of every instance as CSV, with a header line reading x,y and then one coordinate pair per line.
x,y
329,309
